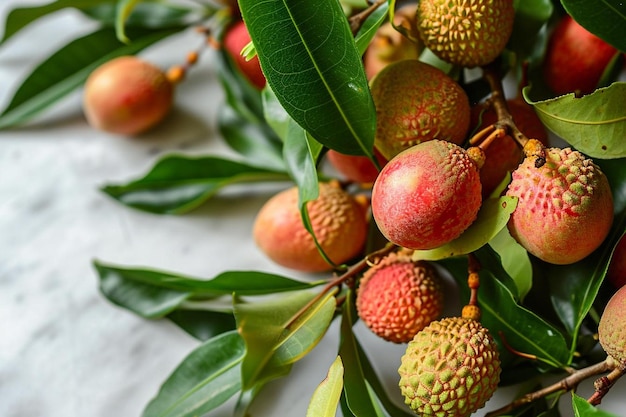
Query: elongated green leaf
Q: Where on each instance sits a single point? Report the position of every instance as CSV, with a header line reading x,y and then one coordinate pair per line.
x,y
203,324
206,378
515,260
68,68
309,58
273,341
326,396
530,17
148,15
605,18
178,184
583,409
594,124
368,29
358,395
124,9
492,217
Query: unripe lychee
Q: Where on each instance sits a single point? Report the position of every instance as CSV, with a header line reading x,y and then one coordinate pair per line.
x,y
127,96
427,195
235,39
504,154
354,167
416,102
612,327
565,206
398,297
450,369
338,220
467,33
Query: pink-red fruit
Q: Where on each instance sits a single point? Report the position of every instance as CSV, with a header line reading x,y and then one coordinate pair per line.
x,y
355,168
565,206
235,39
575,58
612,327
338,220
416,102
127,96
398,297
427,195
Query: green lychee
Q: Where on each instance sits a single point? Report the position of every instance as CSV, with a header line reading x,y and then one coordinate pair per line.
x,y
565,206
450,369
398,297
468,33
612,327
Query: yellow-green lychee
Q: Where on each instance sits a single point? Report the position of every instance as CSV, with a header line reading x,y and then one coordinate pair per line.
x,y
398,297
468,33
450,369
565,206
416,102
612,327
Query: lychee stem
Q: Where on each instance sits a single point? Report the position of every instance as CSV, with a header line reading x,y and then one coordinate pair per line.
x,y
373,257
176,73
471,310
566,384
604,384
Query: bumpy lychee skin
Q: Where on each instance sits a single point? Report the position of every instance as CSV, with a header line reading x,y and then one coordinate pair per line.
x,y
612,327
398,297
338,220
427,195
565,207
450,369
416,102
468,33
127,96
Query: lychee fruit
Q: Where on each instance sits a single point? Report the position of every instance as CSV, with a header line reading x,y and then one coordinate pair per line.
x,y
504,155
450,369
565,206
575,58
612,327
127,95
616,273
235,39
427,195
338,220
416,102
398,297
467,33
355,168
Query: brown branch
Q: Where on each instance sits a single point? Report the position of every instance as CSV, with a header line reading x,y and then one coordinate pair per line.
x,y
356,21
604,384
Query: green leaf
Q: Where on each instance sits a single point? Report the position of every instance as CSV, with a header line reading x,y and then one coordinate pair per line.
x,y
68,68
178,184
147,15
605,18
515,260
206,378
124,9
530,17
358,395
594,124
274,340
326,396
202,324
492,217
368,29
310,60
583,409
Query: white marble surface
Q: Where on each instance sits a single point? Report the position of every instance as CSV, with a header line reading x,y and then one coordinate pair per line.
x,y
65,351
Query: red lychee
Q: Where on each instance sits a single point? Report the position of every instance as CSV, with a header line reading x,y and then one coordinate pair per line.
x,y
235,39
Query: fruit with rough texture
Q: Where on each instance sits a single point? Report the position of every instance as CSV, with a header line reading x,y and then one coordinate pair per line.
x,y
468,33
338,220
616,273
390,45
575,58
504,154
612,327
398,297
355,168
450,369
565,206
416,102
127,95
427,195
235,39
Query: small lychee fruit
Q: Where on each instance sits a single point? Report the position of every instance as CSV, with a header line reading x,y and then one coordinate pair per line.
x,y
565,206
616,273
612,327
235,39
398,297
338,220
127,95
450,369
575,58
355,168
504,155
416,102
427,195
467,33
